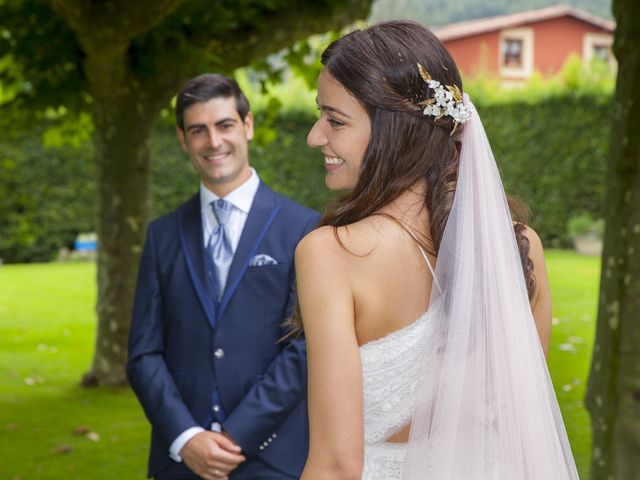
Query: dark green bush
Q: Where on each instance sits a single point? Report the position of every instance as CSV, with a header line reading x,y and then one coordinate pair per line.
x,y
551,154
46,199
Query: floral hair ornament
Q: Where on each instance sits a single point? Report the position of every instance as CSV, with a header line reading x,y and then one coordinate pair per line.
x,y
447,100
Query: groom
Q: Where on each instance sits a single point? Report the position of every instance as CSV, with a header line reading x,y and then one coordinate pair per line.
x,y
224,396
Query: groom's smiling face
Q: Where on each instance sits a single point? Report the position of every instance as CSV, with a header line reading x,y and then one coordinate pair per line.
x,y
217,142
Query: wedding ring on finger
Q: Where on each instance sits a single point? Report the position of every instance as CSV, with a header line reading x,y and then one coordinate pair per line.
x,y
217,473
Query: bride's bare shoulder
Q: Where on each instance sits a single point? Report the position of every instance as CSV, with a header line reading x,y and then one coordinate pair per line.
x,y
356,239
317,247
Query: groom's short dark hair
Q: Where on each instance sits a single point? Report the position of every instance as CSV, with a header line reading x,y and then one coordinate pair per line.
x,y
205,87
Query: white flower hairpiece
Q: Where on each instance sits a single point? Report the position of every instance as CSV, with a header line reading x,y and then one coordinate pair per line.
x,y
446,100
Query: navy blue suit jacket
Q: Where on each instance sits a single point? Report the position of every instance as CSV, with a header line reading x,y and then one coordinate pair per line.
x,y
183,345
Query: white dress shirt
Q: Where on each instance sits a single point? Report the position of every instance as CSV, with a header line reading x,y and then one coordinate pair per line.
x,y
241,198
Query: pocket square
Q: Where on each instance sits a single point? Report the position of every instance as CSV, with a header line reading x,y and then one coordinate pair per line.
x,y
261,260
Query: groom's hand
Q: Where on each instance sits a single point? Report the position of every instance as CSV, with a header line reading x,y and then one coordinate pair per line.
x,y
211,455
228,436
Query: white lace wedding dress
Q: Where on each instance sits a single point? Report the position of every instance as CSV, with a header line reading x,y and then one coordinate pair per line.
x,y
390,373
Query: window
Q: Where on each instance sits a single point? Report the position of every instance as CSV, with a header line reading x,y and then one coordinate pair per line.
x,y
598,46
512,52
601,52
515,55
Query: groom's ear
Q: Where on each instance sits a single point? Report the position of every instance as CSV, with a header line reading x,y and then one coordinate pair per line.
x,y
181,138
248,126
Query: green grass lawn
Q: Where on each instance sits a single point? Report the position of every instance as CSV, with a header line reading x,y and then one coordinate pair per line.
x,y
47,333
574,283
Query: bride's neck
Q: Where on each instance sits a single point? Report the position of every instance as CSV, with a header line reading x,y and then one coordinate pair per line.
x,y
409,207
410,210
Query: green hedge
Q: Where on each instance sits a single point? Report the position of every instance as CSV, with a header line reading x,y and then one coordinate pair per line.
x,y
551,153
46,199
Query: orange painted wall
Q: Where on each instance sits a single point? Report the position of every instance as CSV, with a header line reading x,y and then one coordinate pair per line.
x,y
477,54
554,41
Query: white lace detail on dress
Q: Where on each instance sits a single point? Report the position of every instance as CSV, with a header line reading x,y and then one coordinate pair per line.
x,y
389,373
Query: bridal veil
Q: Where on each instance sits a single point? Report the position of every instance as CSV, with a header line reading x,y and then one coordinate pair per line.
x,y
486,408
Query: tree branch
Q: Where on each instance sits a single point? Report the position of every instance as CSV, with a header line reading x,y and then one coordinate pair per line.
x,y
240,47
116,22
226,50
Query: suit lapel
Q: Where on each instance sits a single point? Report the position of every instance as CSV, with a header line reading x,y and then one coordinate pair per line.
x,y
263,212
190,230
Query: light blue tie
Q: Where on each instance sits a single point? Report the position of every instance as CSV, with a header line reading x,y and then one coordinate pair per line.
x,y
219,246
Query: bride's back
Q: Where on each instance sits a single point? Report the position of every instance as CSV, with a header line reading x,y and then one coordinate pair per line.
x,y
390,280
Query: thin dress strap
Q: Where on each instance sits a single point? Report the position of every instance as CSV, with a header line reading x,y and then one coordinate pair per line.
x,y
426,258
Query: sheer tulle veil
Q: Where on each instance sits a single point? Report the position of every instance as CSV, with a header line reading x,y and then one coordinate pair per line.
x,y
485,405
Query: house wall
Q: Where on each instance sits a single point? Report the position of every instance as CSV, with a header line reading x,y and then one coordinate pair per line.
x,y
556,39
553,41
477,54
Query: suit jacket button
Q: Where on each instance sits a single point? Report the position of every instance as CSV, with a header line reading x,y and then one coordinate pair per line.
x,y
216,408
219,353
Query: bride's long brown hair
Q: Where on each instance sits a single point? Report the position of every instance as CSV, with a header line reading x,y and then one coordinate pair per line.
x,y
378,66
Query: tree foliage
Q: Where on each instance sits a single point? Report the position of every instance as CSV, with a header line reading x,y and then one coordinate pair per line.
x,y
122,62
162,42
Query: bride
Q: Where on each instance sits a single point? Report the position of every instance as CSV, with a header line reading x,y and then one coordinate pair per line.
x,y
426,311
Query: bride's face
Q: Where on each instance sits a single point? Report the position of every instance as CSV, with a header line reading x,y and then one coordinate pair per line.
x,y
342,133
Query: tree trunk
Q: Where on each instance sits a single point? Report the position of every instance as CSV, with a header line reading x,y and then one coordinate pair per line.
x,y
122,160
125,109
613,393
